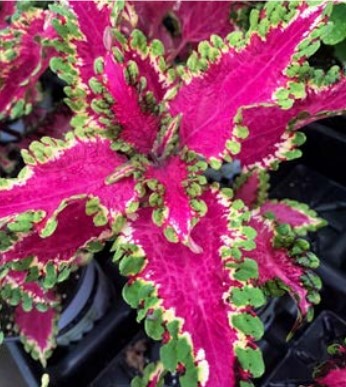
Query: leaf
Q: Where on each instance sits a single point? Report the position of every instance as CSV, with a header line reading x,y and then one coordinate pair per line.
x,y
75,230
187,293
217,87
23,59
190,23
109,75
298,215
338,32
175,196
63,171
152,376
6,11
152,68
82,40
280,125
37,331
139,128
252,187
17,284
281,256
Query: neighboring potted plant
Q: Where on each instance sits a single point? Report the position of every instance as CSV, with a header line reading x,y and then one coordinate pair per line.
x,y
200,257
333,372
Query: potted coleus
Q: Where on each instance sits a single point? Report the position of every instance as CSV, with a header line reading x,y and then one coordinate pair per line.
x,y
199,257
332,373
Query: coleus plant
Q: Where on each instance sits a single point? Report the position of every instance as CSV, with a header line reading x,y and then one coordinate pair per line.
x,y
200,258
332,373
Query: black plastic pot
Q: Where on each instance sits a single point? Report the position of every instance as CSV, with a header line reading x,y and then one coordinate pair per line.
x,y
88,304
310,350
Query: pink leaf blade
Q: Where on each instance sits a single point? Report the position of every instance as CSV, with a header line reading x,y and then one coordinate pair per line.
x,y
37,330
82,45
185,298
210,101
298,215
75,230
280,125
150,63
284,258
176,211
6,10
252,188
138,128
61,171
23,62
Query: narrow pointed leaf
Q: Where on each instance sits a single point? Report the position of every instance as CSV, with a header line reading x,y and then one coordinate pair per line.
x,y
175,196
273,130
83,42
248,71
105,68
252,188
283,263
75,230
61,171
139,128
298,215
37,331
23,59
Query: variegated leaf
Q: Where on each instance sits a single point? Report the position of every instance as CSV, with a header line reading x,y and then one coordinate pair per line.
x,y
23,59
37,331
139,127
284,262
252,187
176,187
273,130
59,172
332,373
298,215
74,235
199,304
242,71
115,81
7,9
